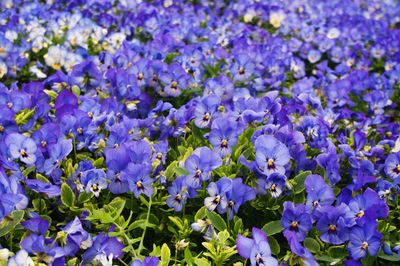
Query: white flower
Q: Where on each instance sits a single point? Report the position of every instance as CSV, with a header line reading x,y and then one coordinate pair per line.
x,y
3,69
38,73
11,35
4,254
276,18
333,33
20,259
250,14
55,57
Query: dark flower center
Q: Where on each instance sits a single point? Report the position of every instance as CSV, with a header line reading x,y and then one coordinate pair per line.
x,y
397,169
140,76
360,214
270,164
23,153
364,245
206,117
332,228
241,71
174,85
178,198
197,173
139,185
9,105
294,226
79,130
95,187
159,156
217,199
259,259
43,143
224,143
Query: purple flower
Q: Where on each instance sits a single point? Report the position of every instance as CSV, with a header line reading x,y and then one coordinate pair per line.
x,y
103,250
257,249
272,156
205,110
364,239
333,224
147,261
36,225
218,194
297,248
392,165
94,180
178,194
21,147
239,194
138,176
76,236
296,219
200,164
223,135
43,187
318,193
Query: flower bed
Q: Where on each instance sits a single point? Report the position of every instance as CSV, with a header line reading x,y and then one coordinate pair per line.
x,y
199,132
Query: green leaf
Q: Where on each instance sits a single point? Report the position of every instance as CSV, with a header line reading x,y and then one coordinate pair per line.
x,y
200,214
177,221
272,228
298,187
99,162
312,245
22,117
337,252
10,221
29,170
393,257
67,195
41,178
188,257
84,197
165,255
39,204
273,243
201,262
52,94
217,221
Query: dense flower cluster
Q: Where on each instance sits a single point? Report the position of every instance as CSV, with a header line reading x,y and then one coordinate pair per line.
x,y
178,132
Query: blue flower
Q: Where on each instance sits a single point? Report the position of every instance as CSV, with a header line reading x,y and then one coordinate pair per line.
x,y
257,249
21,147
272,156
364,239
334,223
94,180
205,110
392,165
218,194
318,193
138,177
224,135
43,187
178,192
103,250
147,261
200,164
296,219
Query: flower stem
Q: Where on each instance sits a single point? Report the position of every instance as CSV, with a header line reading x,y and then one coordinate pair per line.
x,y
145,227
